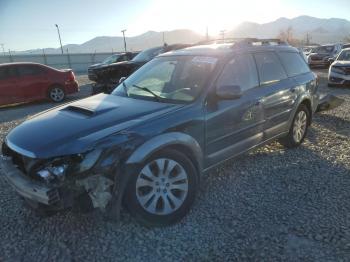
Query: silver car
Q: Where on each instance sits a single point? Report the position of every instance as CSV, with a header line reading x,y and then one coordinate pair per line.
x,y
339,71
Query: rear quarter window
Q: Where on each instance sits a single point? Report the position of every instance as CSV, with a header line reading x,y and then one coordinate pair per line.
x,y
269,67
293,63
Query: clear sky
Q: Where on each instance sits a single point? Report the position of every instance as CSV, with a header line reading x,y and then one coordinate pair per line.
x,y
27,24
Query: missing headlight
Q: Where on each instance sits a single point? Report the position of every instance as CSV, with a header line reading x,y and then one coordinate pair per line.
x,y
89,160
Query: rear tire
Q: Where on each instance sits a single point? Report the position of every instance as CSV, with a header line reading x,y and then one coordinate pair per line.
x,y
56,93
163,190
298,129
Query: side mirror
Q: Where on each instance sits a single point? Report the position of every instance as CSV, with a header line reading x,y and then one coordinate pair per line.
x,y
121,80
229,92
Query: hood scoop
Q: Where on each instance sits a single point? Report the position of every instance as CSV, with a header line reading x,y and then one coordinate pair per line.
x,y
79,110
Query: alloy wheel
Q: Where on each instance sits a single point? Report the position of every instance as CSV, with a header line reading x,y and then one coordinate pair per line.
x,y
56,94
162,186
299,126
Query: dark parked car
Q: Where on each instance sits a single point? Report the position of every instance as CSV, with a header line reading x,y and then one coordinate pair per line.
x,y
339,71
93,69
148,143
107,77
321,55
26,82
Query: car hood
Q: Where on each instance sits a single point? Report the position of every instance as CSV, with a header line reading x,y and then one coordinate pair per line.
x,y
75,127
341,63
96,65
124,63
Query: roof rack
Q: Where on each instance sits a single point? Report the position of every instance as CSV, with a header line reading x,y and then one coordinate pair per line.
x,y
243,42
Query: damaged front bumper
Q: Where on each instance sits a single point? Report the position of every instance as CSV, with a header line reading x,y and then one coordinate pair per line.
x,y
85,189
25,187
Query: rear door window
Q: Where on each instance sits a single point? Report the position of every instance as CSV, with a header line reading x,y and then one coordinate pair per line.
x,y
269,67
240,71
293,63
29,70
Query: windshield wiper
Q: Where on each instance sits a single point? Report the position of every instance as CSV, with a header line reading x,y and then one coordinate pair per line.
x,y
125,88
157,97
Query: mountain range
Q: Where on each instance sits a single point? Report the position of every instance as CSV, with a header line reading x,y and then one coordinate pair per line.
x,y
319,30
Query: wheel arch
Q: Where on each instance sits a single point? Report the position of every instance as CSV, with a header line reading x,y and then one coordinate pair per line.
x,y
53,85
181,142
307,103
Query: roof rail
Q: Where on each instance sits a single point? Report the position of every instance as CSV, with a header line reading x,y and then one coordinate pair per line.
x,y
240,42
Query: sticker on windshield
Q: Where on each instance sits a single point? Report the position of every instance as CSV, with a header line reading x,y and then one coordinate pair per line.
x,y
204,59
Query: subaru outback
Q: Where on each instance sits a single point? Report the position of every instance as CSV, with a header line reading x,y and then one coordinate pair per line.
x,y
147,144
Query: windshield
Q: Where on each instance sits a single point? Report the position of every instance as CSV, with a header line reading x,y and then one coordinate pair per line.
x,y
177,79
323,49
147,55
111,59
344,55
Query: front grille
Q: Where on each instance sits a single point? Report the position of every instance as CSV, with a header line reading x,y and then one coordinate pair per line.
x,y
316,58
336,79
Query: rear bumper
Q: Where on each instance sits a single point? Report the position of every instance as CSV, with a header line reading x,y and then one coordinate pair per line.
x,y
26,187
72,87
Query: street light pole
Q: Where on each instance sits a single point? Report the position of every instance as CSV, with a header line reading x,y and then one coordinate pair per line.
x,y
123,31
59,37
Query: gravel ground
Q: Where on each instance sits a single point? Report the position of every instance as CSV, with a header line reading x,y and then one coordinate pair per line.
x,y
269,205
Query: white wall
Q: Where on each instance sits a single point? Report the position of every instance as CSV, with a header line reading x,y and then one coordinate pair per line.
x,y
78,62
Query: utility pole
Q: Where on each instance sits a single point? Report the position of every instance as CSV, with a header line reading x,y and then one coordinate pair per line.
x,y
308,38
59,37
3,48
123,31
222,32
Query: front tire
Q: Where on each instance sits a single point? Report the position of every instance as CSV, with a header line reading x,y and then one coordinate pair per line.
x,y
298,129
163,190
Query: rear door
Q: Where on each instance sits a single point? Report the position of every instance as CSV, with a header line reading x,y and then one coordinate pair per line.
x,y
8,85
33,82
233,126
297,68
279,93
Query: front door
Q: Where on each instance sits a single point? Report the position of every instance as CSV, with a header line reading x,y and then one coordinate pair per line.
x,y
233,126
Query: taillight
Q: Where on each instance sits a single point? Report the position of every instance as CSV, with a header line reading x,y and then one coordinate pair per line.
x,y
71,76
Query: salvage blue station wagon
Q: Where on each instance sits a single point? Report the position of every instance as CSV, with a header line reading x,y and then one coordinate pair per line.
x,y
147,144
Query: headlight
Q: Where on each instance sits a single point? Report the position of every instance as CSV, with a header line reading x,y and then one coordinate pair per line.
x,y
337,70
53,172
56,170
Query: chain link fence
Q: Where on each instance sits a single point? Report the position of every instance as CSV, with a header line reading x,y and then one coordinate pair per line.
x,y
78,62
